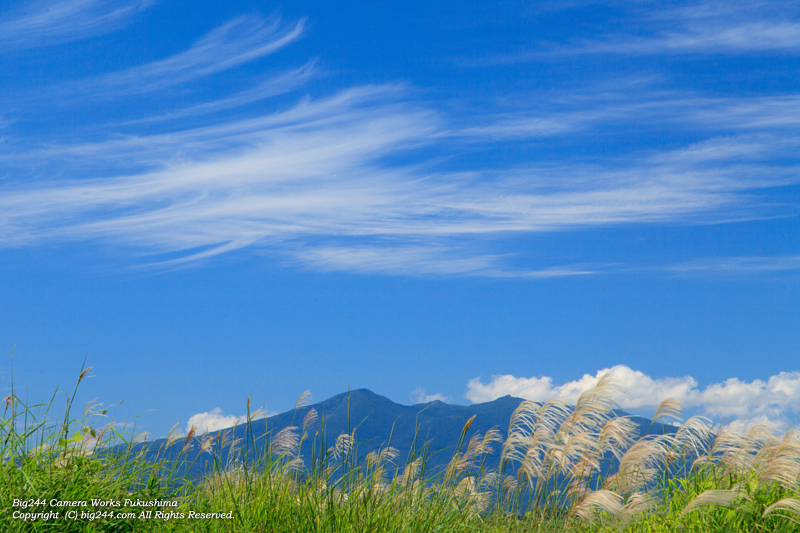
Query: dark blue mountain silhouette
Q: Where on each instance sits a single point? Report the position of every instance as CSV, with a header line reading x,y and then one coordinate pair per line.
x,y
433,428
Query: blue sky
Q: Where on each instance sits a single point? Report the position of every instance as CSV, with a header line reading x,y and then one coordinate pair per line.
x,y
209,201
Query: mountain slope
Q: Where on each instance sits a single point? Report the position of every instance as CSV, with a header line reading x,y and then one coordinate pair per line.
x,y
378,422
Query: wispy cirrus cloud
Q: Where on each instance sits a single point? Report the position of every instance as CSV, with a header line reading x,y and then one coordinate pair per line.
x,y
273,86
658,28
313,184
590,112
230,45
735,26
772,112
702,38
738,265
415,259
775,401
342,182
49,23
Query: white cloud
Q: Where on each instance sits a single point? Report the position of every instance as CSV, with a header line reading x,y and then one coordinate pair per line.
x,y
274,86
319,183
644,390
421,396
232,44
776,400
48,23
713,27
734,26
211,421
503,127
738,265
751,113
417,260
742,399
589,112
703,38
317,173
646,28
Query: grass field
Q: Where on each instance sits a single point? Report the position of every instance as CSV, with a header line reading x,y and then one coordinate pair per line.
x,y
552,472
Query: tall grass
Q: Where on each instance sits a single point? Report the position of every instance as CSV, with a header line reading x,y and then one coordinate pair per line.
x,y
559,468
45,457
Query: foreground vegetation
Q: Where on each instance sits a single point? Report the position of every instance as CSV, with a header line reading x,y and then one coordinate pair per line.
x,y
560,468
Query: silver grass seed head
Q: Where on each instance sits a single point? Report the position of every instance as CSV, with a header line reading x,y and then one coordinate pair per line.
x,y
304,400
713,498
286,441
669,408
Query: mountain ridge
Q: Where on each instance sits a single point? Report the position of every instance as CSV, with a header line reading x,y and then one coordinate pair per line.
x,y
378,422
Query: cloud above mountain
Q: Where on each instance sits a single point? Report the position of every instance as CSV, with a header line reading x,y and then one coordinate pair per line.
x,y
775,400
211,421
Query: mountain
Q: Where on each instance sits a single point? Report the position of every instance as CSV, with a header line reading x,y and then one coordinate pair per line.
x,y
378,422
